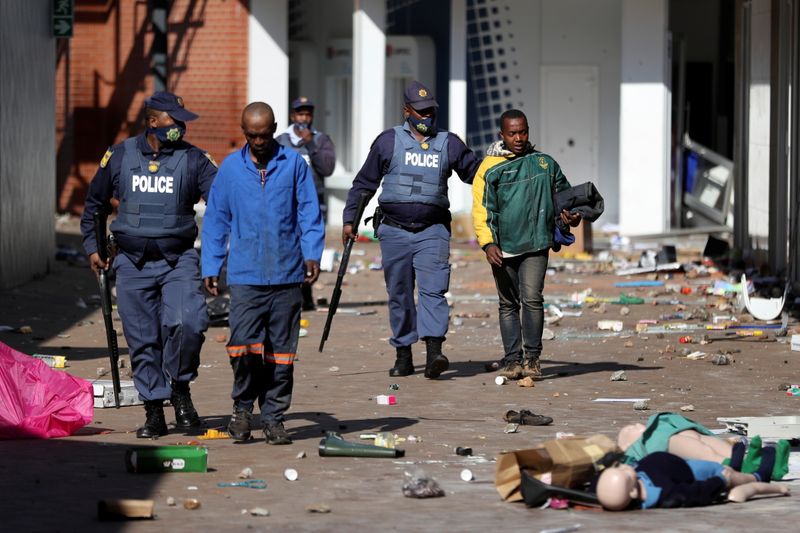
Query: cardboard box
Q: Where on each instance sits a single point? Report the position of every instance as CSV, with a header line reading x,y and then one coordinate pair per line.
x,y
104,394
569,462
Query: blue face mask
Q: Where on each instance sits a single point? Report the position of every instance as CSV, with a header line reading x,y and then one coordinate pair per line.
x,y
424,125
169,134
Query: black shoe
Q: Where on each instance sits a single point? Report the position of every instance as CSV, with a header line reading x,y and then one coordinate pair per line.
x,y
436,362
276,434
527,418
185,414
155,425
239,426
403,365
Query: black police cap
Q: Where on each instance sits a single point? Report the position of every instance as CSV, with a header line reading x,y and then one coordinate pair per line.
x,y
418,96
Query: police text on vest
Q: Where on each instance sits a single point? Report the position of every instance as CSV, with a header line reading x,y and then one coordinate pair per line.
x,y
162,184
422,160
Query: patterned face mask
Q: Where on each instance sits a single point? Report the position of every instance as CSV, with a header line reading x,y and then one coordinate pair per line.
x,y
424,125
169,134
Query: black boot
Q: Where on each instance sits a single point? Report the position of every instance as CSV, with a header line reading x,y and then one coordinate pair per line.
x,y
436,362
403,365
185,414
155,425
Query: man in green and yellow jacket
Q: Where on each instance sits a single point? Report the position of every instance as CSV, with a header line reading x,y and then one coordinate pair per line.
x,y
514,219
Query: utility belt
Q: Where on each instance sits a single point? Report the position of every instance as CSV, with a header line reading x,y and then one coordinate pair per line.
x,y
379,218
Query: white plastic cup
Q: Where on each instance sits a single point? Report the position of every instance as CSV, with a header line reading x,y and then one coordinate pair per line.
x,y
290,474
500,380
466,475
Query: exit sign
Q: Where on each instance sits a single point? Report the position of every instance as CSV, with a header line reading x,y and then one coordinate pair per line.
x,y
63,18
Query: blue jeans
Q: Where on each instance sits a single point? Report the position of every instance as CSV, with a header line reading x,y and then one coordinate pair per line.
x,y
163,313
520,282
265,327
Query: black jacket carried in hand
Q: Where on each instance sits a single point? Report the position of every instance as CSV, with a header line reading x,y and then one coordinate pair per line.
x,y
583,199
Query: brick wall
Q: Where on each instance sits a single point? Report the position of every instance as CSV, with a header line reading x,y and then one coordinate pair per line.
x,y
103,77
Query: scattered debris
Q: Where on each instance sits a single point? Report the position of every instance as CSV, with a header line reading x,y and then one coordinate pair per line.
x,y
53,361
467,475
527,418
247,484
246,473
125,509
322,508
300,455
609,325
721,359
386,399
213,434
464,452
191,504
619,375
394,386
694,356
500,380
548,334
511,428
624,310
258,511
420,485
526,382
641,405
171,502
687,408
290,474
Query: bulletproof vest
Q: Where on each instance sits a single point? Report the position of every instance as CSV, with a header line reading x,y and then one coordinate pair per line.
x,y
286,140
417,174
152,202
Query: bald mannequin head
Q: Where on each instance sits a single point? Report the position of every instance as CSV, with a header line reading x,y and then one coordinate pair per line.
x,y
258,126
617,486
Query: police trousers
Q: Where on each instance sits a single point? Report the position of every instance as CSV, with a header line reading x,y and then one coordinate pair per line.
x,y
265,328
163,312
421,259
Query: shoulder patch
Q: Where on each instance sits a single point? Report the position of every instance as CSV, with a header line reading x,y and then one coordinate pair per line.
x,y
211,159
543,162
106,157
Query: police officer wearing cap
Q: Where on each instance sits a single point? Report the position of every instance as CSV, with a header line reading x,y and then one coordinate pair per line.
x,y
156,178
317,149
413,162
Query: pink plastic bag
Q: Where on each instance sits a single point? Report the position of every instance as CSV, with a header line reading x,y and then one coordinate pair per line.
x,y
39,402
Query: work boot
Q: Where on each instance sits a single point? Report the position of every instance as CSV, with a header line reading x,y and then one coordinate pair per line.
x,y
531,368
403,365
239,426
276,434
154,426
185,414
511,370
436,362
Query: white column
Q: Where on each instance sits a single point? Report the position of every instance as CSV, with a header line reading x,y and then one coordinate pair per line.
x,y
644,118
369,76
268,57
460,194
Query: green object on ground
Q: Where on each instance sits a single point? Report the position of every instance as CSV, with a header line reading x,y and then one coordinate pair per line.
x,y
333,445
625,299
149,459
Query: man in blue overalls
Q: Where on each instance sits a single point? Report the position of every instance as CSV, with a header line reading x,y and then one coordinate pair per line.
x,y
156,179
317,149
414,161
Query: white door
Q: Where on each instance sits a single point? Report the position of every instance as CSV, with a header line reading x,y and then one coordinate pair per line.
x,y
569,120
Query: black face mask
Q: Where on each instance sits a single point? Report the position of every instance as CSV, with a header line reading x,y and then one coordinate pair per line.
x,y
424,125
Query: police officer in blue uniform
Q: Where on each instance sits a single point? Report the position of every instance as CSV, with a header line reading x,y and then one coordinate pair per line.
x,y
414,161
156,179
317,149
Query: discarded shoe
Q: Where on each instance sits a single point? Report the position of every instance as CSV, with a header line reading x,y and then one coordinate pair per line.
x,y
512,370
239,426
527,418
276,434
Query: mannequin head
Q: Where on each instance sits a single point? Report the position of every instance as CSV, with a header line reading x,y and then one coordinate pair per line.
x,y
617,486
628,435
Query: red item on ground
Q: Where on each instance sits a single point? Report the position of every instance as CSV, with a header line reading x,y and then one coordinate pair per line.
x,y
37,402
